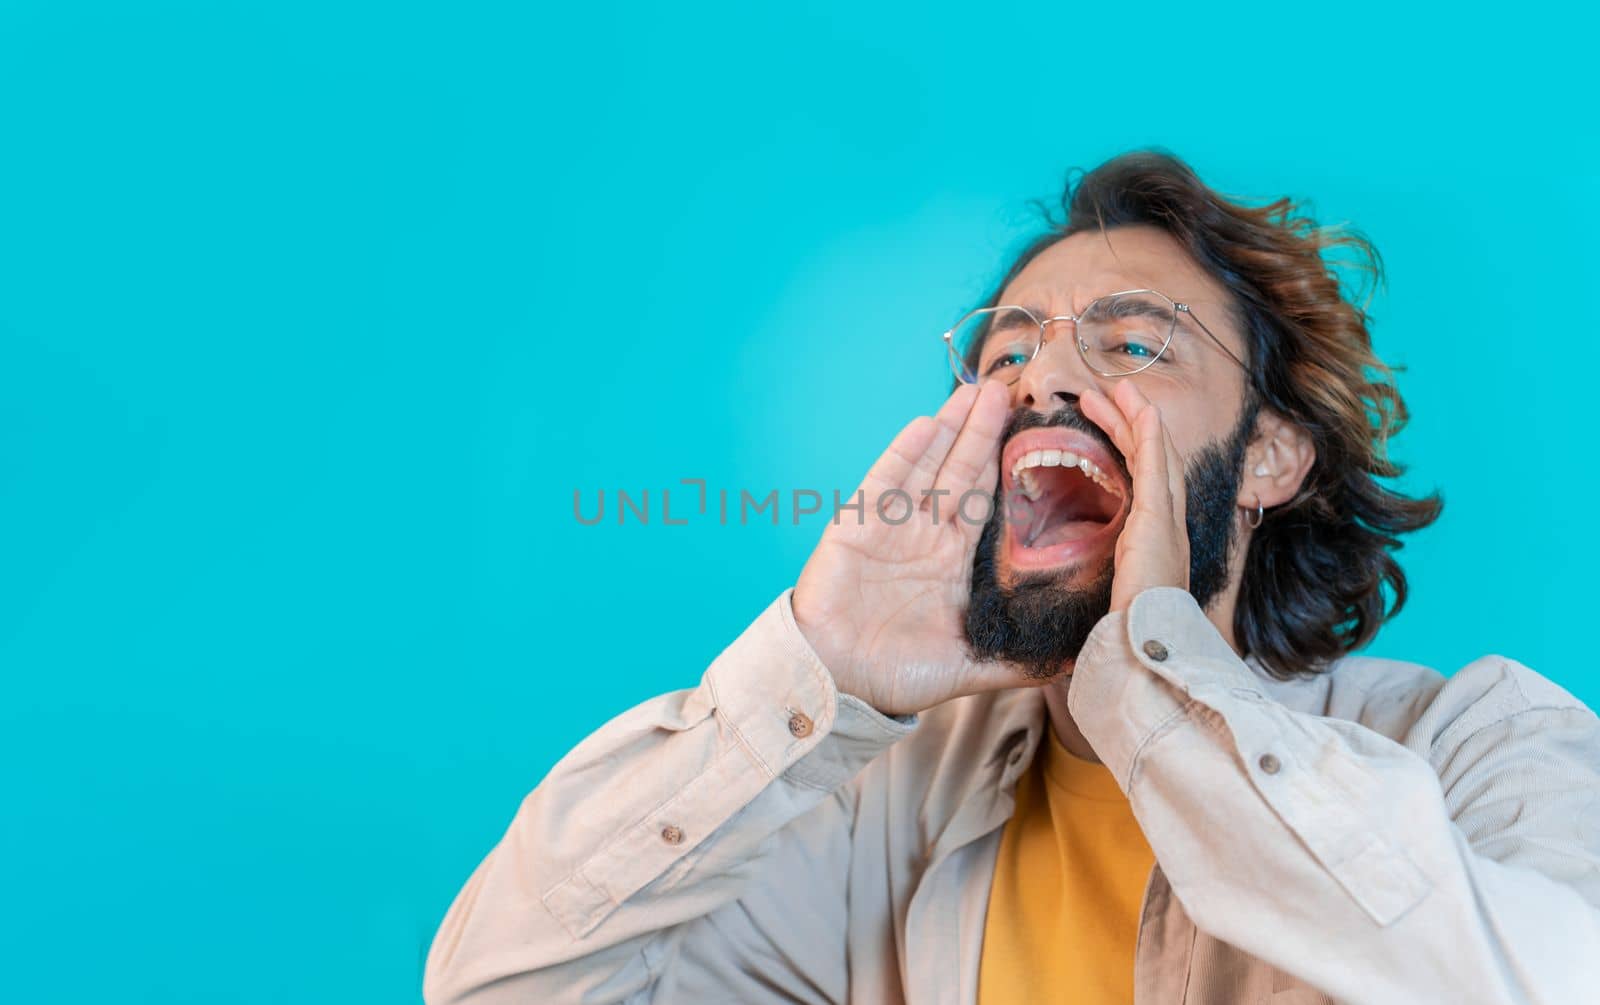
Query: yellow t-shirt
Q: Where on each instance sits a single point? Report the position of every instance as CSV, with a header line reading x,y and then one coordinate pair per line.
x,y
1068,885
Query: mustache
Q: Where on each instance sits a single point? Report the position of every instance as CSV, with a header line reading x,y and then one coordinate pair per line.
x,y
1068,416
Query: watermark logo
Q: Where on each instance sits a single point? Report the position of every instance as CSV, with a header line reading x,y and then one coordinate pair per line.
x,y
727,507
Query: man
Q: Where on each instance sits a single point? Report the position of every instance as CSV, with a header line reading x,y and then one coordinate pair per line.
x,y
1104,744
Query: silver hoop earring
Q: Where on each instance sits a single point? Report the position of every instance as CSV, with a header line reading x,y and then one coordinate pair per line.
x,y
1253,520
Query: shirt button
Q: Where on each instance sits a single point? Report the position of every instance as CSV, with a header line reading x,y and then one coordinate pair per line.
x,y
1269,763
800,725
671,834
1155,650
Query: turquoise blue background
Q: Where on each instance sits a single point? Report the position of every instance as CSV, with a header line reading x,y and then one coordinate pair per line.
x,y
313,318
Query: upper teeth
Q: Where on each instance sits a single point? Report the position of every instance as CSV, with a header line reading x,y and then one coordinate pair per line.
x,y
1022,470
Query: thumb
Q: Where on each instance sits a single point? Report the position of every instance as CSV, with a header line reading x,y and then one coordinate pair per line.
x,y
994,675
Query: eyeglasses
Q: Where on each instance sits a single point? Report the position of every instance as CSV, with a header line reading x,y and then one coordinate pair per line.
x,y
1118,334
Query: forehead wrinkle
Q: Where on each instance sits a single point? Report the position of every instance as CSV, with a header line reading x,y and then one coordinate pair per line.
x,y
1183,278
1031,303
1054,287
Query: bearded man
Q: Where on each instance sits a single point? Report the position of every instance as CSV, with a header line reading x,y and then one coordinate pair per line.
x,y
1107,743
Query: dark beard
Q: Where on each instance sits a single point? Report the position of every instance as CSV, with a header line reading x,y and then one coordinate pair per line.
x,y
1039,623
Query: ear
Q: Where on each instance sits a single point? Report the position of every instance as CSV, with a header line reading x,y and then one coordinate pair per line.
x,y
1276,462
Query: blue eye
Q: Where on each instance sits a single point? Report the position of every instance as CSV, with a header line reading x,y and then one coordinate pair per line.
x,y
1136,350
1010,356
1009,359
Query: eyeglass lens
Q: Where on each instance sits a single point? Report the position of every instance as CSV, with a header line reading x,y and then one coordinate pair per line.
x,y
1117,335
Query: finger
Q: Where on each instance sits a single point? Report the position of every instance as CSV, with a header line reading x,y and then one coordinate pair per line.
x,y
1130,400
912,446
1000,676
1177,487
1101,411
1118,416
1134,405
1152,488
973,514
952,415
896,463
1133,402
976,446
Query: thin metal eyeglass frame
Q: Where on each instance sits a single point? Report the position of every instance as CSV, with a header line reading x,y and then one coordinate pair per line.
x,y
957,364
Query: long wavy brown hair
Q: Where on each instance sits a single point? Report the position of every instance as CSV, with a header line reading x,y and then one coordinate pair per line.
x,y
1320,576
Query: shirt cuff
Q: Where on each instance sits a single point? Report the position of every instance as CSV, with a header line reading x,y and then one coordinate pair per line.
x,y
774,691
1139,670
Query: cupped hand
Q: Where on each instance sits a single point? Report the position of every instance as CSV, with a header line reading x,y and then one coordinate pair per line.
x,y
883,597
1153,548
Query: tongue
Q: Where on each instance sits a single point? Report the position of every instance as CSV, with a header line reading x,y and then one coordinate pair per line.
x,y
1069,508
1061,533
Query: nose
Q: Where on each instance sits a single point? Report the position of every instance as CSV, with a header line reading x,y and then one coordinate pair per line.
x,y
1056,375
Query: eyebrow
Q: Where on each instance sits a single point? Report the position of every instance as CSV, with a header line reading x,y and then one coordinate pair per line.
x,y
1126,307
1194,328
1014,321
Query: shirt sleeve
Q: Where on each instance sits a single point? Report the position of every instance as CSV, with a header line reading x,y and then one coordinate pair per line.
x,y
1469,871
636,849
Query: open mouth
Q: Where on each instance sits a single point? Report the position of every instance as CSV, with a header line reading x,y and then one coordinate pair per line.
x,y
1065,497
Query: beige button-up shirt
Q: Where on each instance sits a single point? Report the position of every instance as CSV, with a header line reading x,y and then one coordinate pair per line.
x,y
1374,834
